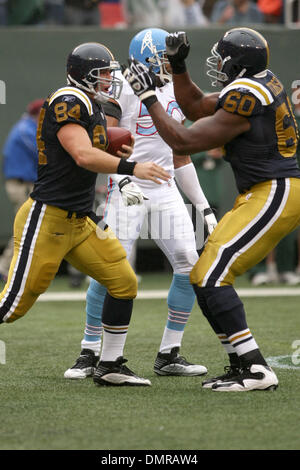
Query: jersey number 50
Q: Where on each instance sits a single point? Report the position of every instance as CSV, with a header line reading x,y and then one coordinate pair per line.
x,y
151,130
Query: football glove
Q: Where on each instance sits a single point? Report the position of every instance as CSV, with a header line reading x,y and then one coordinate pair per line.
x,y
131,193
177,48
210,222
142,81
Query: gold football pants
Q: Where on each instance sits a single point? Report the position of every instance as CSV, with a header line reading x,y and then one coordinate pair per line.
x,y
259,219
43,237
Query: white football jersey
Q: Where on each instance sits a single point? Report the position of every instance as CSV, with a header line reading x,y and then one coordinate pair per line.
x,y
149,146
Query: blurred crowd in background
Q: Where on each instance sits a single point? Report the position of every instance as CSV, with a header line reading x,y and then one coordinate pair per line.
x,y
142,13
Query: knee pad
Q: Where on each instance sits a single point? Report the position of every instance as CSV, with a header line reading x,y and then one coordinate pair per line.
x,y
126,287
184,261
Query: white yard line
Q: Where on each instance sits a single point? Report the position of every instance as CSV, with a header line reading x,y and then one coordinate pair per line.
x,y
162,294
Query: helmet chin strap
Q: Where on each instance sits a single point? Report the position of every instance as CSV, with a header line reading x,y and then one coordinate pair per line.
x,y
99,97
164,76
241,74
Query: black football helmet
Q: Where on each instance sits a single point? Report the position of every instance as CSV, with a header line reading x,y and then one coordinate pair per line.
x,y
242,52
84,66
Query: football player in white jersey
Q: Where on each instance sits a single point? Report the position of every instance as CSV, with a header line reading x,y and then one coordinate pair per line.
x,y
161,207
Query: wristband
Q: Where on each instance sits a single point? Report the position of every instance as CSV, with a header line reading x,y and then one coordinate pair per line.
x,y
208,211
149,101
125,167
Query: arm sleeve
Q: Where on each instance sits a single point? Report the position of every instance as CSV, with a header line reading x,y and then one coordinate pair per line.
x,y
187,179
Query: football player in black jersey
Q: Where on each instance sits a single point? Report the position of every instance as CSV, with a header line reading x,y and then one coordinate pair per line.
x,y
57,222
253,120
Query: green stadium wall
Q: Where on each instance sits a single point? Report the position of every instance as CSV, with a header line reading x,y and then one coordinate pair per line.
x,y
33,65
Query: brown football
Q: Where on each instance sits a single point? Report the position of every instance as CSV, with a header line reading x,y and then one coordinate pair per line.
x,y
117,136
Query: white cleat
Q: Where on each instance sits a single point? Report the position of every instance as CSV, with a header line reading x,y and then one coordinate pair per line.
x,y
254,377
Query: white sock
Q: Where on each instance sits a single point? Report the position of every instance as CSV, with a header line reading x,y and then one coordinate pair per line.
x,y
226,343
113,344
92,345
170,339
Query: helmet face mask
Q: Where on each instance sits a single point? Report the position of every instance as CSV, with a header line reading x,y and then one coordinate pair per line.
x,y
102,87
240,52
91,67
148,47
215,65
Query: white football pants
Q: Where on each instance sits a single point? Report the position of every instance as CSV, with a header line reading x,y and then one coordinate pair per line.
x,y
164,218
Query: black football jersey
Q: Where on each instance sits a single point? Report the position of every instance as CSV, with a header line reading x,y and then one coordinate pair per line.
x,y
61,182
268,150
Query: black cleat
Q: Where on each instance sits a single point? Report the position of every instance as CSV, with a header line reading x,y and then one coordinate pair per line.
x,y
174,364
84,366
115,373
230,372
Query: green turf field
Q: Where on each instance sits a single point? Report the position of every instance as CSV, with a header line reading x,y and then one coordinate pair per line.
x,y
42,410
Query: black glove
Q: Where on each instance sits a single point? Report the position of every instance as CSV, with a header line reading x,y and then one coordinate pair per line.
x,y
142,81
177,48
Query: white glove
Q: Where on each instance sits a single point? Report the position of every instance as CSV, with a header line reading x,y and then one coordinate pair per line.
x,y
209,220
131,192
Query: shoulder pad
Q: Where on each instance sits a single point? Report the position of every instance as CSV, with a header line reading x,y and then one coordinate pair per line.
x,y
240,101
75,92
248,85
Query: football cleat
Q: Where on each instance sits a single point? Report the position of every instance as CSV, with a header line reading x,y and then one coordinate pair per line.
x,y
115,373
174,364
84,366
230,372
254,377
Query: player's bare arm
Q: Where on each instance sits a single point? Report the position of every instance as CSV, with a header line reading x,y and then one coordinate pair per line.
x,y
205,134
76,142
191,99
181,160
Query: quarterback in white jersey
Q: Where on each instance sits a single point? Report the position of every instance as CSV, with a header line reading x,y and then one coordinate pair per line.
x,y
155,209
